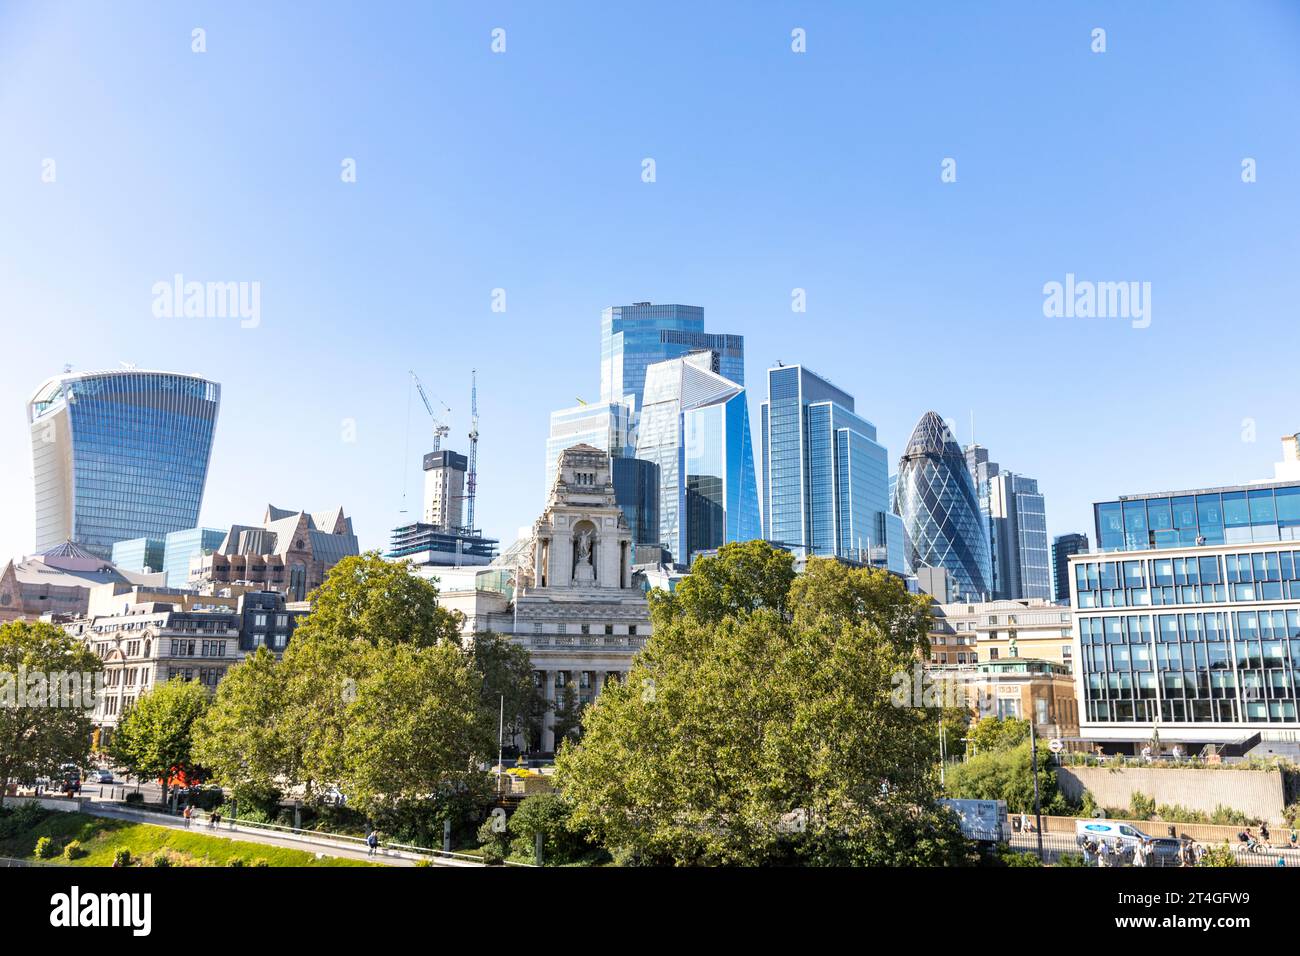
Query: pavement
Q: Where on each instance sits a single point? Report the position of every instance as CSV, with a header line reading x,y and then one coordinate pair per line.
x,y
312,843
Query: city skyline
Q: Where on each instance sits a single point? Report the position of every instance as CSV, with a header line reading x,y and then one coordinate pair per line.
x,y
358,281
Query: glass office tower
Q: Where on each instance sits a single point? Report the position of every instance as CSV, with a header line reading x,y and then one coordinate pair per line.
x,y
634,337
1015,518
180,546
1190,622
825,477
142,555
695,428
936,498
119,454
1064,545
605,425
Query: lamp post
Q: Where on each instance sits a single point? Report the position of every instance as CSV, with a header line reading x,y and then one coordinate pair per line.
x,y
1038,810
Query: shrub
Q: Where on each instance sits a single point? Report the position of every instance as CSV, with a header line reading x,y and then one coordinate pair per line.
x,y
135,797
73,851
1009,857
1229,817
236,861
122,857
546,814
261,861
493,855
207,798
1071,859
161,860
45,849
425,861
21,819
1088,805
1219,856
1141,806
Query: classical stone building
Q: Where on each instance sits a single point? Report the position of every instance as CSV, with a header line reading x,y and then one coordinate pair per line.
x,y
577,608
151,642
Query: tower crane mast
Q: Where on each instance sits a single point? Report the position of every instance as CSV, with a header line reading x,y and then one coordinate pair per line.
x,y
471,479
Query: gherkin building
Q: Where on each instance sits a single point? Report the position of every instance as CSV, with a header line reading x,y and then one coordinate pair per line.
x,y
935,497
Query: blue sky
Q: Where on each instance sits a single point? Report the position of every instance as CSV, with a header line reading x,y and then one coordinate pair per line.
x,y
775,171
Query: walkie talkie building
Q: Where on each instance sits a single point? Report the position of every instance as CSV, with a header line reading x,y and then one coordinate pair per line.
x,y
935,497
119,454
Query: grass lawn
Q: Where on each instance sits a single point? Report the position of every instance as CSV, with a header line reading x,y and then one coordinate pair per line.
x,y
101,838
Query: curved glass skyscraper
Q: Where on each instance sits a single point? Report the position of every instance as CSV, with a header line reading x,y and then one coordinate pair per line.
x,y
119,454
936,498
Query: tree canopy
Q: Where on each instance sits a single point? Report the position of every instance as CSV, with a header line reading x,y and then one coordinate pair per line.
x,y
35,739
757,725
154,737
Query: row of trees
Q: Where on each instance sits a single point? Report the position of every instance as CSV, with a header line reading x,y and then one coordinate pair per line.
x,y
377,696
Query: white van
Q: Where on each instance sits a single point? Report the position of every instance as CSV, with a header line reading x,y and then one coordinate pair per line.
x,y
1111,831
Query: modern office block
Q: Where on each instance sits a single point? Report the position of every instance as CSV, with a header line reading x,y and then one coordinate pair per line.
x,y
825,478
1014,514
695,428
180,547
142,555
636,489
1189,622
606,425
634,337
119,455
1064,545
936,498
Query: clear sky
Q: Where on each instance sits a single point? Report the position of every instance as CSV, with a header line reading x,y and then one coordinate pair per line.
x,y
775,170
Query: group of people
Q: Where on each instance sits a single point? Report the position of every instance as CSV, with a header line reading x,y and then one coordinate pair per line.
x,y
214,817
1143,853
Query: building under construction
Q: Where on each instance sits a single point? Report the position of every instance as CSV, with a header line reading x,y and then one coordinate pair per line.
x,y
445,536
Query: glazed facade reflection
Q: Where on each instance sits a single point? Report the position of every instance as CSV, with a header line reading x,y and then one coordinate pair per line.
x,y
120,455
936,498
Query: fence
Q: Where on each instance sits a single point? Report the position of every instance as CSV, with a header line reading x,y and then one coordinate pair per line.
x,y
1056,845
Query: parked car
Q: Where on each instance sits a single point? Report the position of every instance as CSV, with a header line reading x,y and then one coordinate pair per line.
x,y
1165,851
102,776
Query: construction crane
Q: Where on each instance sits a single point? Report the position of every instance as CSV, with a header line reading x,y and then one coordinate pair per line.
x,y
440,430
471,480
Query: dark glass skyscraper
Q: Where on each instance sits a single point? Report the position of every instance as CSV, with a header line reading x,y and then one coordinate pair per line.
x,y
1064,545
119,454
936,498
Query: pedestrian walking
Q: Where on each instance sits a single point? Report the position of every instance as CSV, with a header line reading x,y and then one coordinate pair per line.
x,y
372,843
188,814
216,815
1263,832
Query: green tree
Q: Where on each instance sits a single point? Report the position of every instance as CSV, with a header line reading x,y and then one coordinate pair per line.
x,y
550,815
416,732
566,724
365,598
506,671
154,737
239,737
35,739
752,575
757,725
998,733
1005,775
